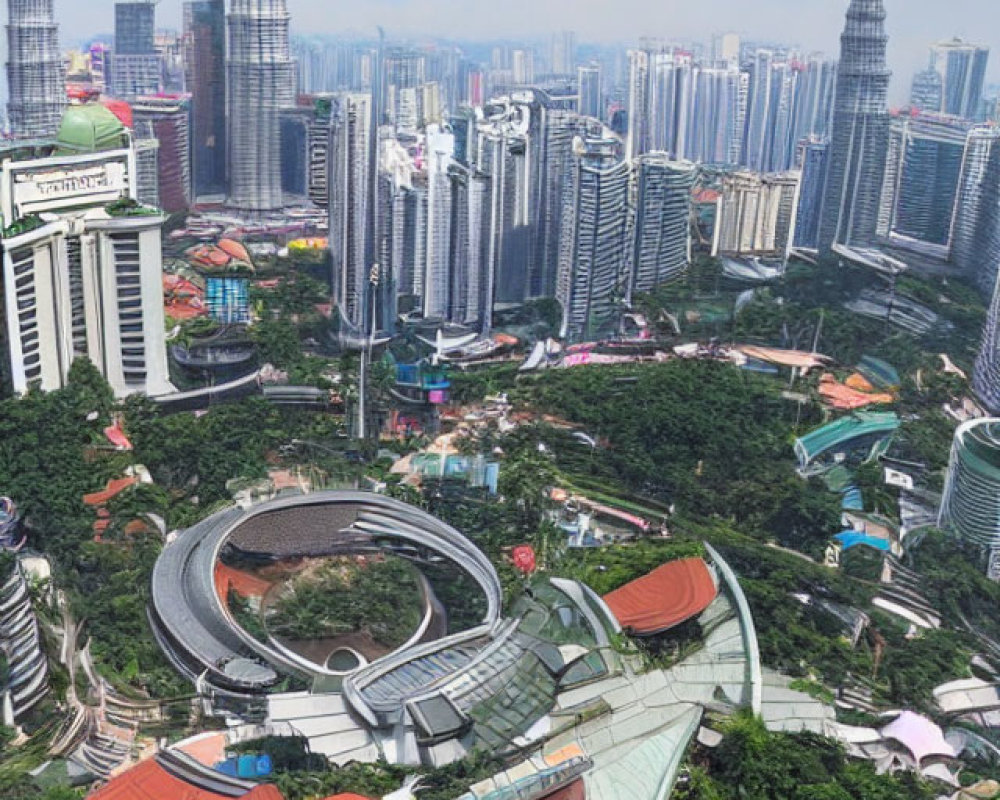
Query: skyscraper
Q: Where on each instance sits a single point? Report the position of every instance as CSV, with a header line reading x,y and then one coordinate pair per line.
x,y
168,120
717,116
437,275
136,65
812,157
349,175
637,139
926,92
260,82
662,229
594,253
934,168
590,90
563,56
987,376
34,70
859,133
205,67
970,508
979,254
962,67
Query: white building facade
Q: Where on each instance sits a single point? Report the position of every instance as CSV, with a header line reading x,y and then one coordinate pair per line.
x,y
79,281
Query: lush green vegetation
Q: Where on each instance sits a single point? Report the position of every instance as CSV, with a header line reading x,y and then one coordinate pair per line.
x,y
708,438
754,764
380,596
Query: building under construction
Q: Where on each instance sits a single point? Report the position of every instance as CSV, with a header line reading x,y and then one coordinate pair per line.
x,y
34,70
261,82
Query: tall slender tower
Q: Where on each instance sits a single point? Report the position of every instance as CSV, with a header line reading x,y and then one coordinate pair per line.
x,y
205,65
261,82
987,377
35,72
860,131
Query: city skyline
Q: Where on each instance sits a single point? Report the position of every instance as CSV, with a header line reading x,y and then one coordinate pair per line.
x,y
913,26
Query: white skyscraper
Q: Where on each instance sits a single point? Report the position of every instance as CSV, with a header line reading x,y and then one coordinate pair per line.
x,y
261,81
35,73
349,174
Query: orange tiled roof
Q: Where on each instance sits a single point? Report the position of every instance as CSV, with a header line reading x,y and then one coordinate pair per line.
x,y
666,597
150,781
243,583
112,490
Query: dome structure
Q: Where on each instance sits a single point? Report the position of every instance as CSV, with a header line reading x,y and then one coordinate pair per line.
x,y
90,128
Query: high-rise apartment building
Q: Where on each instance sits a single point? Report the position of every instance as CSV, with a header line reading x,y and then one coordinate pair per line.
x,y
350,143
85,281
970,508
508,153
593,267
975,247
757,215
860,128
935,165
590,91
927,91
671,100
437,281
717,116
987,375
136,64
812,160
523,66
35,76
563,53
637,139
979,254
558,129
762,110
962,67
661,240
168,120
815,83
205,69
260,82
469,257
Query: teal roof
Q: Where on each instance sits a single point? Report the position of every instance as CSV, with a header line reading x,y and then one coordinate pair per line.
x,y
880,373
844,430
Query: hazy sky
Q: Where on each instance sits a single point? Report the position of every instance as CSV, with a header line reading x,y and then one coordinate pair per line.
x,y
813,24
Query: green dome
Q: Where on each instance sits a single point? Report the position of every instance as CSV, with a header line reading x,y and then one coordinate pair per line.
x,y
89,128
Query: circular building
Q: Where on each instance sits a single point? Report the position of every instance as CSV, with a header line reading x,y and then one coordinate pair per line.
x,y
243,602
971,504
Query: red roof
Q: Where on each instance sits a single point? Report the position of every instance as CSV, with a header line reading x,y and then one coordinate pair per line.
x,y
243,583
112,490
666,597
117,436
120,109
234,249
348,796
150,781
575,791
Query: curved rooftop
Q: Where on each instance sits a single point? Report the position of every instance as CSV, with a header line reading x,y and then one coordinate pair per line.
x,y
971,504
200,634
665,598
90,128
